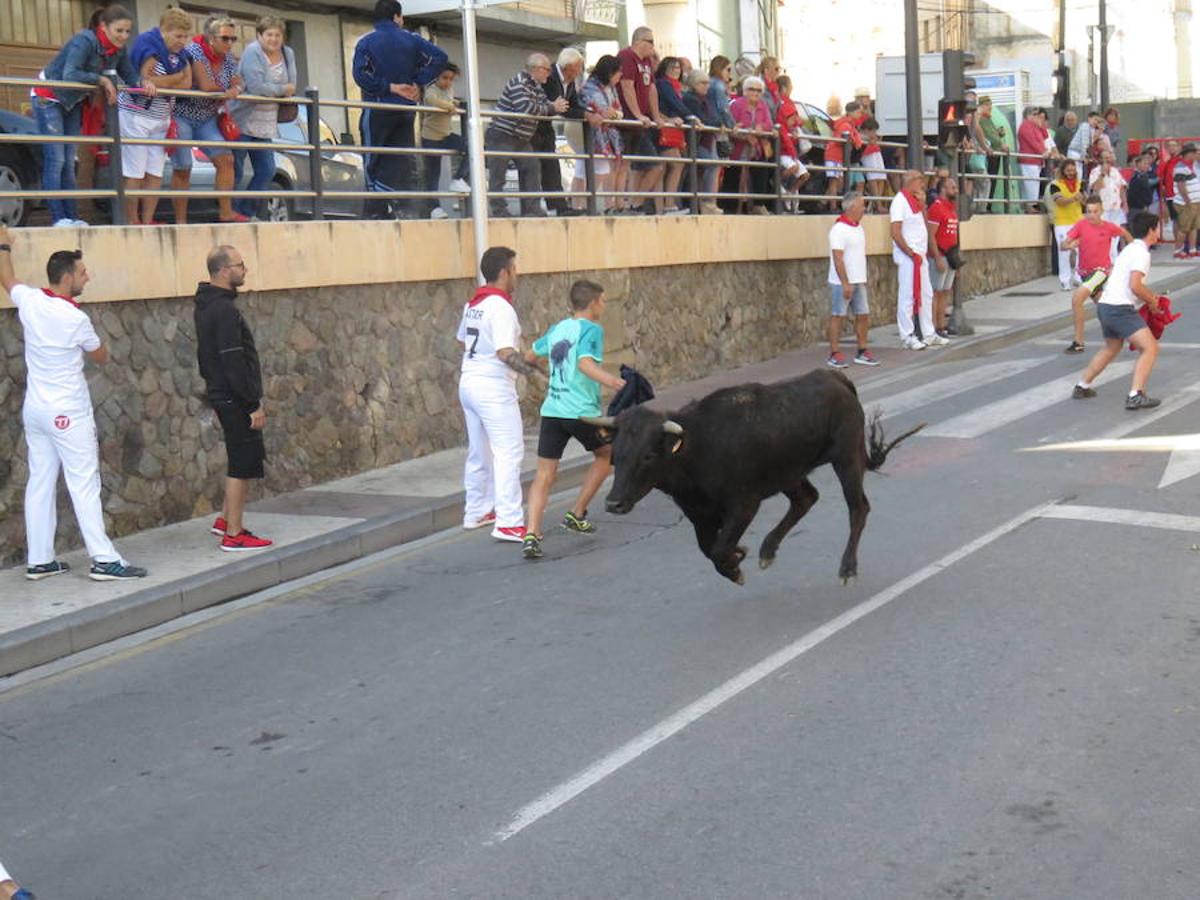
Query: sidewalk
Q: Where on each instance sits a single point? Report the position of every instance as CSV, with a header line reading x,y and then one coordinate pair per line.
x,y
336,522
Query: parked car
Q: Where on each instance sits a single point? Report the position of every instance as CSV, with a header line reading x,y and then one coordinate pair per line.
x,y
20,168
341,170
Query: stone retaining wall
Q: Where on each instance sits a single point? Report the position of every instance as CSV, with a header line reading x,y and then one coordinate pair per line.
x,y
358,377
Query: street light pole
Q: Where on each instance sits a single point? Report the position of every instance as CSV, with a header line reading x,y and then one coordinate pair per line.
x,y
912,86
479,184
1103,55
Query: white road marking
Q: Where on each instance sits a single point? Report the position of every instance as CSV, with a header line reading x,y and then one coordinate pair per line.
x,y
950,385
1008,410
1182,465
1112,516
673,724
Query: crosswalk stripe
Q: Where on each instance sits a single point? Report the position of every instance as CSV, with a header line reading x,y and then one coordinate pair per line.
x,y
950,385
1008,410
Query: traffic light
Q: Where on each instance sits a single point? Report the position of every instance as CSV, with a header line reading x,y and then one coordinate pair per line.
x,y
1061,82
955,80
952,123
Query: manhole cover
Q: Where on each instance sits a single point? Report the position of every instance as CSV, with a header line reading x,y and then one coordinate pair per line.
x,y
1028,294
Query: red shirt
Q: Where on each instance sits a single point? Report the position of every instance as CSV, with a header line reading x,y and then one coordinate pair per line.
x,y
1095,243
639,73
945,214
1166,176
833,152
1031,139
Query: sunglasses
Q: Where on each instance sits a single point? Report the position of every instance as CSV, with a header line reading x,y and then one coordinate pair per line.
x,y
228,39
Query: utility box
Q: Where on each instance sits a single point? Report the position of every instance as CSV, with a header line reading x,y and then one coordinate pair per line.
x,y
891,95
1009,91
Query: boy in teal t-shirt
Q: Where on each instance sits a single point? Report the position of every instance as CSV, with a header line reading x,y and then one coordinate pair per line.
x,y
575,348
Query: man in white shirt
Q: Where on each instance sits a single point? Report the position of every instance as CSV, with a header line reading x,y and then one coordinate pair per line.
x,y
60,428
910,243
1119,319
490,333
848,281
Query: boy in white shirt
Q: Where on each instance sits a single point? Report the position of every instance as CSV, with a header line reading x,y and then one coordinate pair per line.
x,y
490,333
1119,320
848,281
60,428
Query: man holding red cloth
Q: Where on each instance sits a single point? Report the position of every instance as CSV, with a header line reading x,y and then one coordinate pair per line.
x,y
910,246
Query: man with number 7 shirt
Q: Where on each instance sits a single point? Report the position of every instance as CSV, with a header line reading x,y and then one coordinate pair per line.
x,y
490,334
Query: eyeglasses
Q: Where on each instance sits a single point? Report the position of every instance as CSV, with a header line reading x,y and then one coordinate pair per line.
x,y
229,39
236,265
753,90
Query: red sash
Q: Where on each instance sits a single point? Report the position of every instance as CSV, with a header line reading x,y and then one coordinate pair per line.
x,y
486,291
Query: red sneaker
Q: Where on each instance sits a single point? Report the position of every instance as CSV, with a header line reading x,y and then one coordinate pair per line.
x,y
516,534
218,526
489,519
236,543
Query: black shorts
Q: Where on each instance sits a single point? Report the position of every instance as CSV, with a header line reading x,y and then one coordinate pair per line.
x,y
1172,211
645,144
556,433
243,445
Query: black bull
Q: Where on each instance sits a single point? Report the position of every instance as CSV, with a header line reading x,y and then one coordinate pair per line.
x,y
720,457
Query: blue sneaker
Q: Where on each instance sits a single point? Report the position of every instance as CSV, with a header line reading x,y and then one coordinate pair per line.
x,y
114,571
45,570
23,894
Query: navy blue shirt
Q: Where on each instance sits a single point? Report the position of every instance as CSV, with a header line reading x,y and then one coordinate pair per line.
x,y
393,55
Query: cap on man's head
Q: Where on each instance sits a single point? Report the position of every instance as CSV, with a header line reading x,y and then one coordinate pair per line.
x,y
862,92
985,100
1188,148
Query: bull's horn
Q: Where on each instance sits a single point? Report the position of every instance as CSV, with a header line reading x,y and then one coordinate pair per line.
x,y
671,427
599,421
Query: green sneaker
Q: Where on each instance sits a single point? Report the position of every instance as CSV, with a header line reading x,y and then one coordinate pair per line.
x,y
531,547
572,522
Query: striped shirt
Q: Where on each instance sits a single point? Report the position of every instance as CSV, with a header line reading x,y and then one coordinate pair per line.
x,y
523,95
157,108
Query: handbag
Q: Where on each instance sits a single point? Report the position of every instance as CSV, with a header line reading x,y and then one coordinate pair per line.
x,y
954,258
288,112
229,128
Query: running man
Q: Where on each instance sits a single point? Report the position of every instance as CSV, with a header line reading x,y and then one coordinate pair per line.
x,y
60,427
1093,237
1119,319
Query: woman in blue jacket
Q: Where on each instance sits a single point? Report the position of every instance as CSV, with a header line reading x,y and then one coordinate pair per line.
x,y
95,56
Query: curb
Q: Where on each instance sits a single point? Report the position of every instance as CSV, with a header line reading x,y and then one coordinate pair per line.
x,y
44,642
53,639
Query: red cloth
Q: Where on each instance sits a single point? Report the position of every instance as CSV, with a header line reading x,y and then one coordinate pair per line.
x,y
1095,243
849,222
50,293
209,53
1166,177
944,214
1031,140
107,47
1157,321
640,73
673,138
783,118
918,264
913,203
834,152
482,293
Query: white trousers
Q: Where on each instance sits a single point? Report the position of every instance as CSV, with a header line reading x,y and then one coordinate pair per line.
x,y
1065,269
67,442
1029,187
905,299
495,450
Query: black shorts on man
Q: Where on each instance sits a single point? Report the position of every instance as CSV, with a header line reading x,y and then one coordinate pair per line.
x,y
1118,323
243,445
556,433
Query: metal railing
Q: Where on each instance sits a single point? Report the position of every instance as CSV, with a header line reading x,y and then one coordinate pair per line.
x,y
592,198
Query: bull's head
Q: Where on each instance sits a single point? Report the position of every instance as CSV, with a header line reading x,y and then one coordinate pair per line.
x,y
643,443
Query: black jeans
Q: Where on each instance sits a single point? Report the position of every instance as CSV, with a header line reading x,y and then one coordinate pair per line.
x,y
433,164
388,171
528,171
544,142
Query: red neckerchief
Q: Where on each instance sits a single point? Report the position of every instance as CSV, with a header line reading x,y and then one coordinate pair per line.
x,y
913,203
1072,185
486,291
849,222
107,47
209,53
50,293
675,83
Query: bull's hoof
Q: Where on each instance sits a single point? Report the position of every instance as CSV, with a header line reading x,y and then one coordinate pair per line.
x,y
739,553
849,579
764,562
735,575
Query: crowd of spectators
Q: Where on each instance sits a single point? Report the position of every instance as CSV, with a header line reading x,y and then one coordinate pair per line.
x,y
646,117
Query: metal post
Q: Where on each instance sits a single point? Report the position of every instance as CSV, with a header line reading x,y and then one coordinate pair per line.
x,y
912,85
589,170
1103,55
114,165
464,128
479,186
314,152
693,141
779,175
958,315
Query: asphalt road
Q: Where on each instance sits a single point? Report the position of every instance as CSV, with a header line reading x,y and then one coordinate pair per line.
x,y
1004,705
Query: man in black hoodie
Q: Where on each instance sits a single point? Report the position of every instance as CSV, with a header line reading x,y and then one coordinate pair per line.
x,y
233,379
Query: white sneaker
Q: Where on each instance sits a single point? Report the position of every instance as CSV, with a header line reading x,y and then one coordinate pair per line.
x,y
914,343
438,213
936,340
459,186
79,223
1065,287
65,223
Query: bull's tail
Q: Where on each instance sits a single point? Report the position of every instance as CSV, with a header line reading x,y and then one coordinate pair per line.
x,y
877,450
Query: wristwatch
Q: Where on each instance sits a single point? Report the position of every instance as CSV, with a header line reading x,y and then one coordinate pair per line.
x,y
7,248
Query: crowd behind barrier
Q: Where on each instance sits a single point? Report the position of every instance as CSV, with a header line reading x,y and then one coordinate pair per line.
x,y
659,136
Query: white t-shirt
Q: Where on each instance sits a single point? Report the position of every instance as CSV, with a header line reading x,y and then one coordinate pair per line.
x,y
912,227
1134,258
1110,191
57,332
486,327
852,241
